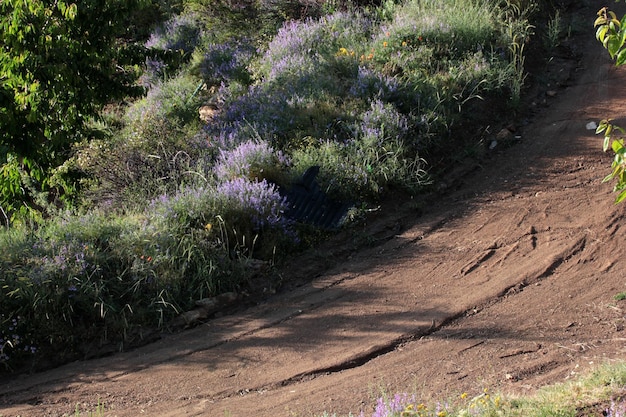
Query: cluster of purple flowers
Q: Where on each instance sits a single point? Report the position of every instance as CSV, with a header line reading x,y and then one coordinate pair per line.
x,y
252,159
226,62
180,33
154,72
616,409
261,112
259,199
370,83
393,406
381,122
10,340
316,39
60,260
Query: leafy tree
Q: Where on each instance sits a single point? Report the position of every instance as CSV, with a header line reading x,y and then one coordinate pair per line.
x,y
612,33
60,63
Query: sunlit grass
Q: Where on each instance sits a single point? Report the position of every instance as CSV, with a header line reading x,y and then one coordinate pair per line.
x,y
602,389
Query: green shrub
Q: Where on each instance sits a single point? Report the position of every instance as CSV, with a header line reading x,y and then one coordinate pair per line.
x,y
156,151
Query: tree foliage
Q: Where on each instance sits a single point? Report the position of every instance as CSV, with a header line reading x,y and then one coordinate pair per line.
x,y
60,62
611,31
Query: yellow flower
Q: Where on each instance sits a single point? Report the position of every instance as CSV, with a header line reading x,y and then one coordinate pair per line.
x,y
464,395
403,43
208,227
342,52
385,44
442,414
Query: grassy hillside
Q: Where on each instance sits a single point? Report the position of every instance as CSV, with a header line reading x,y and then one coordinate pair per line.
x,y
181,194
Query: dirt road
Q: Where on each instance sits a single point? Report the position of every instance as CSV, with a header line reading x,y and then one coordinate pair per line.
x,y
505,281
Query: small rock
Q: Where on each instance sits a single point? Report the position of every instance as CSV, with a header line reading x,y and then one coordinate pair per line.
x,y
205,308
591,126
207,112
551,93
493,145
504,134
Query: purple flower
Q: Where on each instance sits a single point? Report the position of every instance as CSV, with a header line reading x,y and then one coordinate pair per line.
x,y
370,83
261,201
224,63
380,123
180,33
616,409
251,160
387,408
154,72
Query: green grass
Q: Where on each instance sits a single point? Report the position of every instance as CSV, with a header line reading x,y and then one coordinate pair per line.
x,y
602,389
97,412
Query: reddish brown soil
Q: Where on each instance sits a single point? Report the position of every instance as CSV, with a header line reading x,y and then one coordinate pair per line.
x,y
504,280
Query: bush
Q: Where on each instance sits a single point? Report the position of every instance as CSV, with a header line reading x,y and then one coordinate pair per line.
x,y
181,33
255,161
83,282
225,63
155,152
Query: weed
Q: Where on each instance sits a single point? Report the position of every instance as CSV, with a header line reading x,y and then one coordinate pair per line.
x,y
553,31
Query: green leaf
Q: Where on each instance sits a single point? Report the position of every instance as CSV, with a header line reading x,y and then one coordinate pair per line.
x,y
621,58
613,45
620,197
601,33
605,146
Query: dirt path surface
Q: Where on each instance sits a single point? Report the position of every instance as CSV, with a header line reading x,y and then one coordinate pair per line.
x,y
506,280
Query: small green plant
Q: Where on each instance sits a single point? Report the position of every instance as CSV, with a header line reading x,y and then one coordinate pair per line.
x,y
98,412
620,296
553,31
518,31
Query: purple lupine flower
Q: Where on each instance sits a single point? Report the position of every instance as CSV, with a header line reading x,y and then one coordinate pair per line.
x,y
223,63
397,404
381,123
250,159
370,83
616,409
154,72
180,33
260,199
